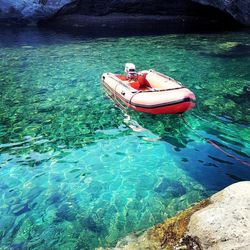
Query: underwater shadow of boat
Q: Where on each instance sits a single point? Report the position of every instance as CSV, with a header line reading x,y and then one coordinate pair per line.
x,y
166,128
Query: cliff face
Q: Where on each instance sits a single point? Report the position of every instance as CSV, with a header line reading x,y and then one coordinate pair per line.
x,y
100,17
42,9
147,7
239,9
24,9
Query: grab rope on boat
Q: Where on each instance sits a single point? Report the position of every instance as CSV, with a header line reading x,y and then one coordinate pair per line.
x,y
214,144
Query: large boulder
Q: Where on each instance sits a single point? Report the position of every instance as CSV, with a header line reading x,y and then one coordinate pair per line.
x,y
31,10
225,223
239,9
221,222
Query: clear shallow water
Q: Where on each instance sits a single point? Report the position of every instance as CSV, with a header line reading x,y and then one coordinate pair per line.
x,y
74,175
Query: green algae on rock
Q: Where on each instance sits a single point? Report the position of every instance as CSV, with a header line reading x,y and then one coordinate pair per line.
x,y
166,235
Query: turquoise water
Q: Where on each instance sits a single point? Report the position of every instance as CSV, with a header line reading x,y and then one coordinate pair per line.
x,y
76,172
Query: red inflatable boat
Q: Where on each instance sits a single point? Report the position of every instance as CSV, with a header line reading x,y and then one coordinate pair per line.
x,y
148,91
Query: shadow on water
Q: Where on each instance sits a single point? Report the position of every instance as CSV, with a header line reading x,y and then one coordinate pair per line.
x,y
32,36
210,165
39,36
198,158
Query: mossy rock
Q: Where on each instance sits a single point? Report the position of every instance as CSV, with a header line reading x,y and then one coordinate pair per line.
x,y
163,236
169,233
229,105
227,45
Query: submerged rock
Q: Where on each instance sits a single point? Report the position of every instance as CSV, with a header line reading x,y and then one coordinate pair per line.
x,y
234,105
6,223
229,50
25,232
65,212
21,210
90,224
170,188
45,108
242,97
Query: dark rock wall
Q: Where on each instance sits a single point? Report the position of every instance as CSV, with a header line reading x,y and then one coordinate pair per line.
x,y
170,7
29,10
239,9
176,8
43,9
148,16
147,7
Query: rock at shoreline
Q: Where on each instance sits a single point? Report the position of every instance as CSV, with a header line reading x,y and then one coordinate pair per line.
x,y
221,222
225,223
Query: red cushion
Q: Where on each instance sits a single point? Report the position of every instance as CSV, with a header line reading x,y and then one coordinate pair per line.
x,y
142,80
135,84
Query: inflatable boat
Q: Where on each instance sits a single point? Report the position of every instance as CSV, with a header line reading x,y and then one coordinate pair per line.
x,y
148,91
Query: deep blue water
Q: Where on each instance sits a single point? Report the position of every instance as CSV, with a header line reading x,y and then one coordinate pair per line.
x,y
76,172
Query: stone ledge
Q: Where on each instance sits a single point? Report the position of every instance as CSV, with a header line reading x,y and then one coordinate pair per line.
x,y
221,222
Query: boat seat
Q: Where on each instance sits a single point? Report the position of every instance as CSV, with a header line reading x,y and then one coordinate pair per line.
x,y
139,83
135,84
142,80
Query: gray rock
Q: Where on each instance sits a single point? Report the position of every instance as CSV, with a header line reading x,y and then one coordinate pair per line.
x,y
42,9
26,9
146,7
239,9
225,223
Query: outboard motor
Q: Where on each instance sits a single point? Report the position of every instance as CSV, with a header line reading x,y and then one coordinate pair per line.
x,y
130,71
